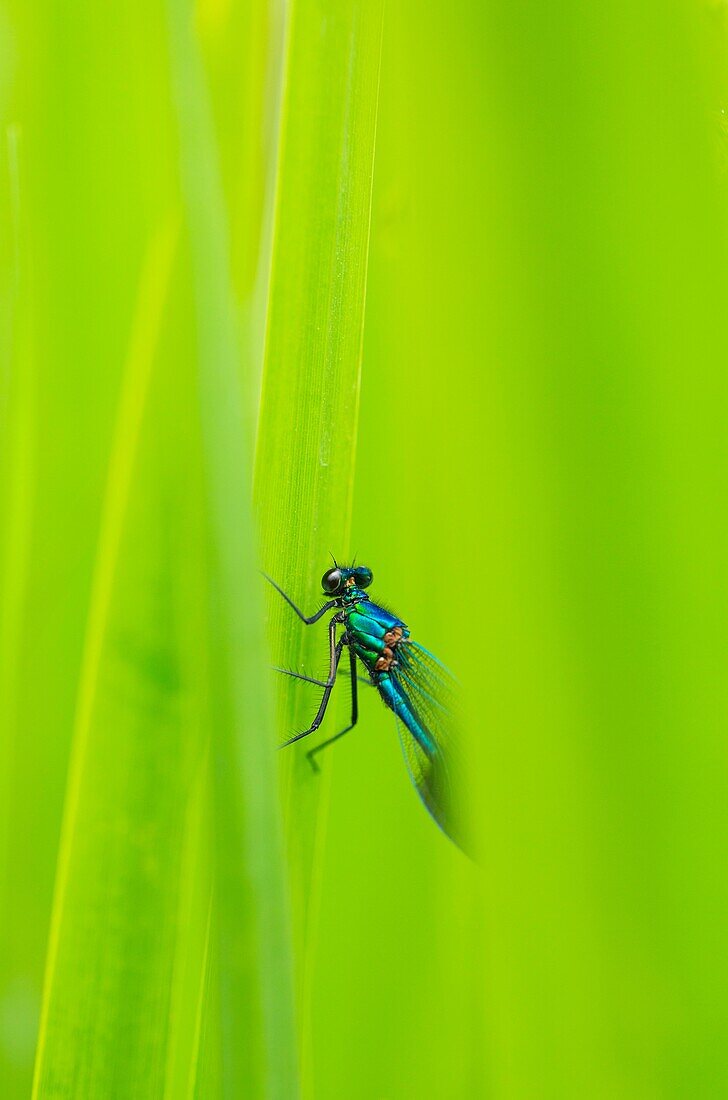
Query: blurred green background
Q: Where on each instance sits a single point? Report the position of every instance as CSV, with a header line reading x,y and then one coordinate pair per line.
x,y
446,290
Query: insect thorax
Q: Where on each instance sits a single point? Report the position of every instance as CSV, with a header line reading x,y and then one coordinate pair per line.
x,y
374,634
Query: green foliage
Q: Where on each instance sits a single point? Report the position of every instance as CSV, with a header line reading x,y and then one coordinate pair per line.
x,y
530,456
134,650
310,400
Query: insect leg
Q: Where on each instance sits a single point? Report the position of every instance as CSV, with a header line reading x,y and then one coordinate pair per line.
x,y
312,679
335,649
354,715
307,619
300,676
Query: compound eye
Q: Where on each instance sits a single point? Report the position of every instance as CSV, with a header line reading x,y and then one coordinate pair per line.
x,y
331,581
364,578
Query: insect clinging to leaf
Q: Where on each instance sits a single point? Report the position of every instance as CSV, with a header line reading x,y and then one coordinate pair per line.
x,y
411,682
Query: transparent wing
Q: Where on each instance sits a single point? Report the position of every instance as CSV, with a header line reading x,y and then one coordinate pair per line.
x,y
426,709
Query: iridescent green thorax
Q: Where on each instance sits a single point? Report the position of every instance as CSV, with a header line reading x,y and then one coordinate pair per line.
x,y
374,632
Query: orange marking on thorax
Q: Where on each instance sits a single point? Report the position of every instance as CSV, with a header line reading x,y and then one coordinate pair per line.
x,y
392,639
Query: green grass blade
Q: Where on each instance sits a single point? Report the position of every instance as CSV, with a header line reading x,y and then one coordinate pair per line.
x,y
89,213
308,417
252,960
189,991
108,971
18,444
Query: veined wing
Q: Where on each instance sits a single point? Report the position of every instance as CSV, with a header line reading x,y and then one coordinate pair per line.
x,y
425,704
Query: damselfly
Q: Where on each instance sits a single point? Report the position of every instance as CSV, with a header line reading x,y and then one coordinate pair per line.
x,y
409,680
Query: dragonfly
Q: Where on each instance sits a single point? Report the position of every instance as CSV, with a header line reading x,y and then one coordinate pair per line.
x,y
409,679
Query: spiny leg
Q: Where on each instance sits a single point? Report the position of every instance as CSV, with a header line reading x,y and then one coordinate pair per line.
x,y
335,649
300,676
354,714
307,619
312,679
